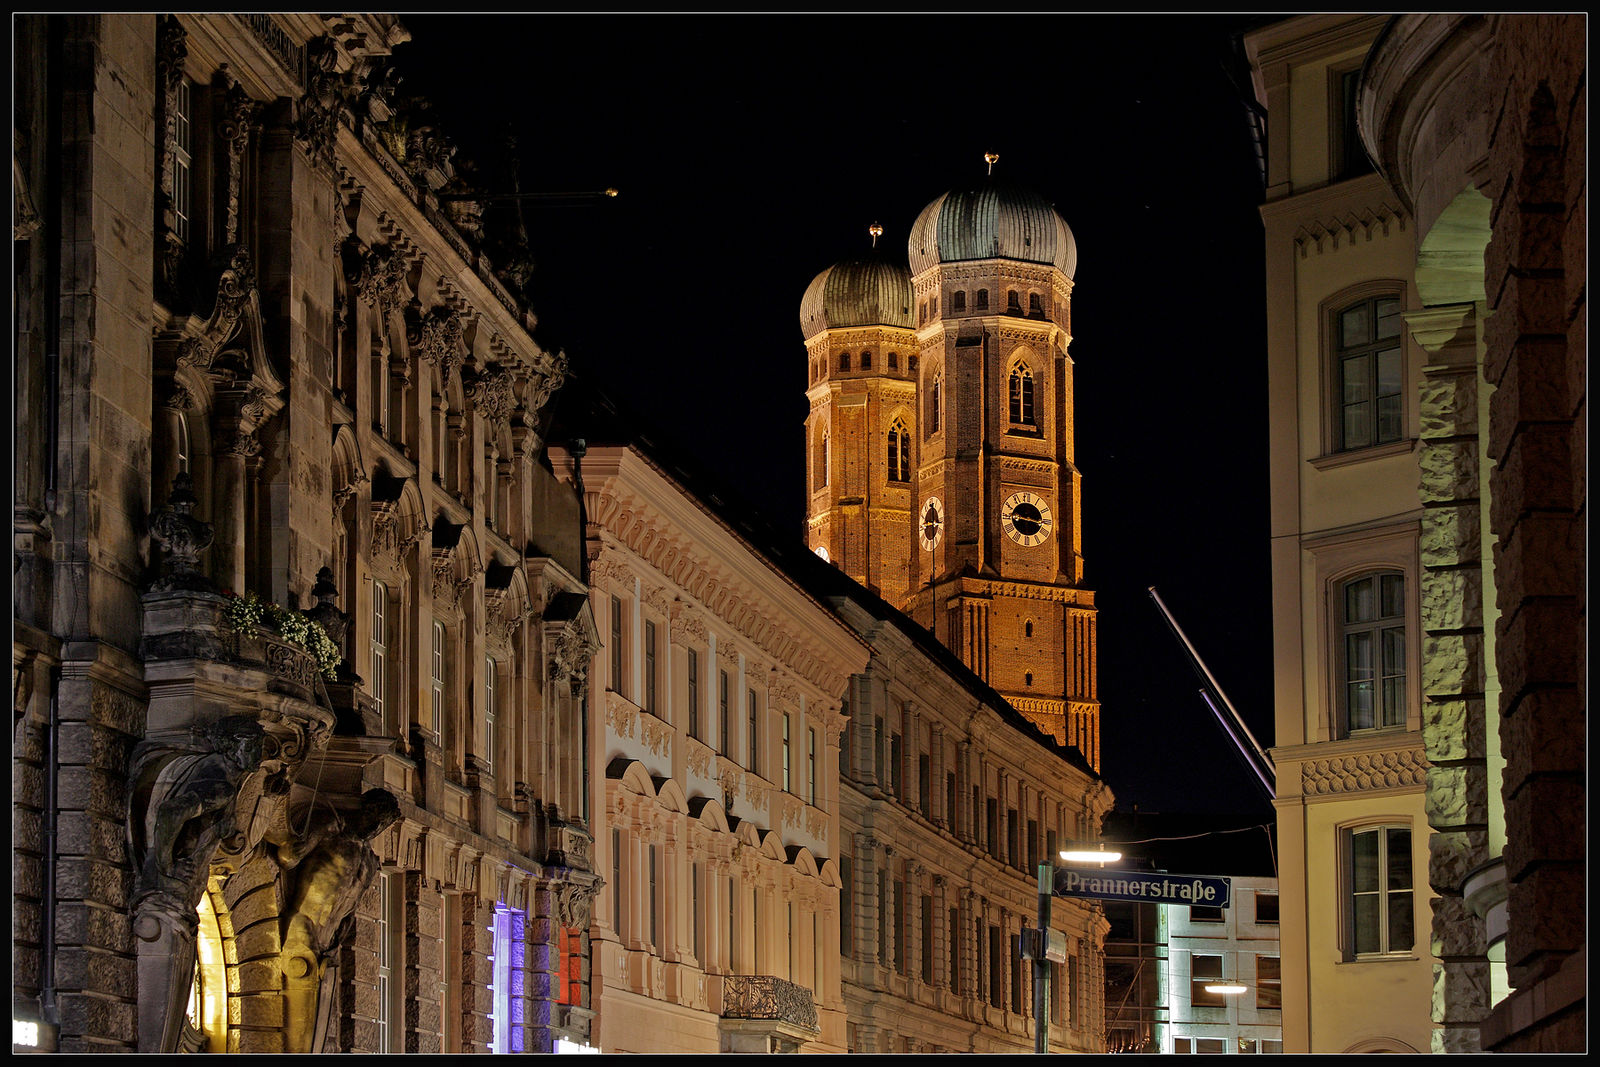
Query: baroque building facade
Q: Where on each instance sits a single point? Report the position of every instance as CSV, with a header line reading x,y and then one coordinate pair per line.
x,y
1425,339
940,444
300,639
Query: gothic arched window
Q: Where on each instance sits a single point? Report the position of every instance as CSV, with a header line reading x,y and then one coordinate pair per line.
x,y
899,447
1021,395
819,460
983,299
933,403
866,361
844,361
958,302
894,361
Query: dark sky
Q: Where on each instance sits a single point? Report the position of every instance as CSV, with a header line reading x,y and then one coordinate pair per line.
x,y
753,152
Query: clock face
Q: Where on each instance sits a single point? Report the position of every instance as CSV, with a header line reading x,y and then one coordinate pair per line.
x,y
1026,518
930,525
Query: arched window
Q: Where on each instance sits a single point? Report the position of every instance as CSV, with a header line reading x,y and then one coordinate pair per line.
x,y
844,361
866,361
1027,628
983,300
899,447
894,361
958,302
1021,395
911,364
1035,308
183,442
819,460
1373,668
933,403
1013,305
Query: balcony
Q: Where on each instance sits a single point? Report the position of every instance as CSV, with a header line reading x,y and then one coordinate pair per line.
x,y
764,1014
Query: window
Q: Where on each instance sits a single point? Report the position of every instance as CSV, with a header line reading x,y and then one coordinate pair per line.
x,y
899,452
616,644
616,882
436,683
694,694
1013,305
788,781
846,906
992,811
489,670
953,950
1021,395
924,792
182,161
1267,908
958,302
819,460
997,974
695,905
1035,308
1269,982
391,933
1205,970
1369,374
896,779
844,361
1350,157
911,364
1205,913
1033,844
927,939
1374,648
894,361
507,981
726,723
752,738
983,300
1380,911
1027,629
379,681
811,765
933,404
654,899
650,667
883,919
1013,844
950,799
866,361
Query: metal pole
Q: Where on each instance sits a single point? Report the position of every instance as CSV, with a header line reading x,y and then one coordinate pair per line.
x,y
1041,966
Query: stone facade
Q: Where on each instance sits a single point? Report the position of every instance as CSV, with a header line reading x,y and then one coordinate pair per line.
x,y
294,762
1478,123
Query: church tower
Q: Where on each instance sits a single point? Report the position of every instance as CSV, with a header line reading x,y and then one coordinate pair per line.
x,y
861,430
997,574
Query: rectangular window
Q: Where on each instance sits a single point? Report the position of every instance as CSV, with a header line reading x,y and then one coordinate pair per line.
x,y
695,908
896,760
900,925
927,939
924,791
1370,374
489,710
847,907
616,645
1269,982
694,694
811,765
1033,844
650,667
1374,652
725,726
654,900
506,986
183,160
391,985
950,800
953,950
1016,974
436,682
794,944
1074,992
1050,846
788,783
997,973
883,919
1380,906
1267,908
1206,913
616,882
378,684
992,810
1206,970
877,750
752,738
1013,844
732,928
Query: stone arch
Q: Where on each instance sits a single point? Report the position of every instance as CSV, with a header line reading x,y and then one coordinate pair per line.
x,y
1381,1044
771,846
632,776
671,796
252,949
1450,256
828,874
711,814
802,860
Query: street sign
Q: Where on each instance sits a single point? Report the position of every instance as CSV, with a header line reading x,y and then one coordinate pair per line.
x,y
1142,885
1053,948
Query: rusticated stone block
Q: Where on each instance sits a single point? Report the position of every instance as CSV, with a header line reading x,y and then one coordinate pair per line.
x,y
1535,474
1457,796
1545,821
1543,734
256,974
1449,405
1452,663
1460,991
1539,643
259,1042
95,1015
364,999
93,969
80,878
1534,386
1453,729
1453,853
1461,1038
263,1009
1545,912
94,925
1449,471
1450,535
1537,556
1452,599
25,919
258,905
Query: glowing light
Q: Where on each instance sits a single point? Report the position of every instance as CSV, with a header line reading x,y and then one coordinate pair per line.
x,y
1227,989
24,1033
1089,855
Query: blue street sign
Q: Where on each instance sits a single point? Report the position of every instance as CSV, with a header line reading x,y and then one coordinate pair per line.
x,y
1141,885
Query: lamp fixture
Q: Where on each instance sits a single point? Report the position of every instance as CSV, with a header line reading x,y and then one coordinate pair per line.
x,y
1084,854
1227,989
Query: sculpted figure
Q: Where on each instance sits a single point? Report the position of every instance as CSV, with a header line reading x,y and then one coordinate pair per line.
x,y
326,873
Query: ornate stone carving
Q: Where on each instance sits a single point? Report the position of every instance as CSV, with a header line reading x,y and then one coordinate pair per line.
x,y
235,286
183,537
685,624
620,715
492,393
549,371
447,585
234,121
699,757
438,337
326,612
610,573
328,873
574,904
816,822
1362,771
316,125
501,628
239,443
570,652
656,734
766,997
378,275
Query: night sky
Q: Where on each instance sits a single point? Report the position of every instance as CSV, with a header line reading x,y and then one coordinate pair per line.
x,y
753,152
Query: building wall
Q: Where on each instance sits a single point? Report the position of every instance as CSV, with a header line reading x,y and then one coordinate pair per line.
x,y
1240,940
1336,237
722,876
263,304
922,876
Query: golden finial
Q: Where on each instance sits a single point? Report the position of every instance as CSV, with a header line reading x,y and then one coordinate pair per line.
x,y
991,158
876,230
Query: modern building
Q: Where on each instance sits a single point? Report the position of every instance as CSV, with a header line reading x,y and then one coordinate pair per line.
x,y
300,643
1426,329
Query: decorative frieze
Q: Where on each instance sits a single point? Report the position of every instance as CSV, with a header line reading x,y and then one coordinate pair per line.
x,y
1357,772
656,734
621,716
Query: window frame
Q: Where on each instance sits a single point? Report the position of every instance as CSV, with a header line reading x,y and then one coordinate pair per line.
x,y
1328,314
1347,889
1020,396
1378,629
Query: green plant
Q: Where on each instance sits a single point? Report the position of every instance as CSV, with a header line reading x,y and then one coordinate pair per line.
x,y
293,626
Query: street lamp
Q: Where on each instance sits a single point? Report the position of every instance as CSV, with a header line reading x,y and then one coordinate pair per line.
x,y
1084,854
1045,946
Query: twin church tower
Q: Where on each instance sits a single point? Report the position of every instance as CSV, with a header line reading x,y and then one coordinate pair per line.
x,y
939,469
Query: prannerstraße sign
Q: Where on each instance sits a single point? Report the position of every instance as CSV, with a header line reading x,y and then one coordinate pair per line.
x,y
1142,885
